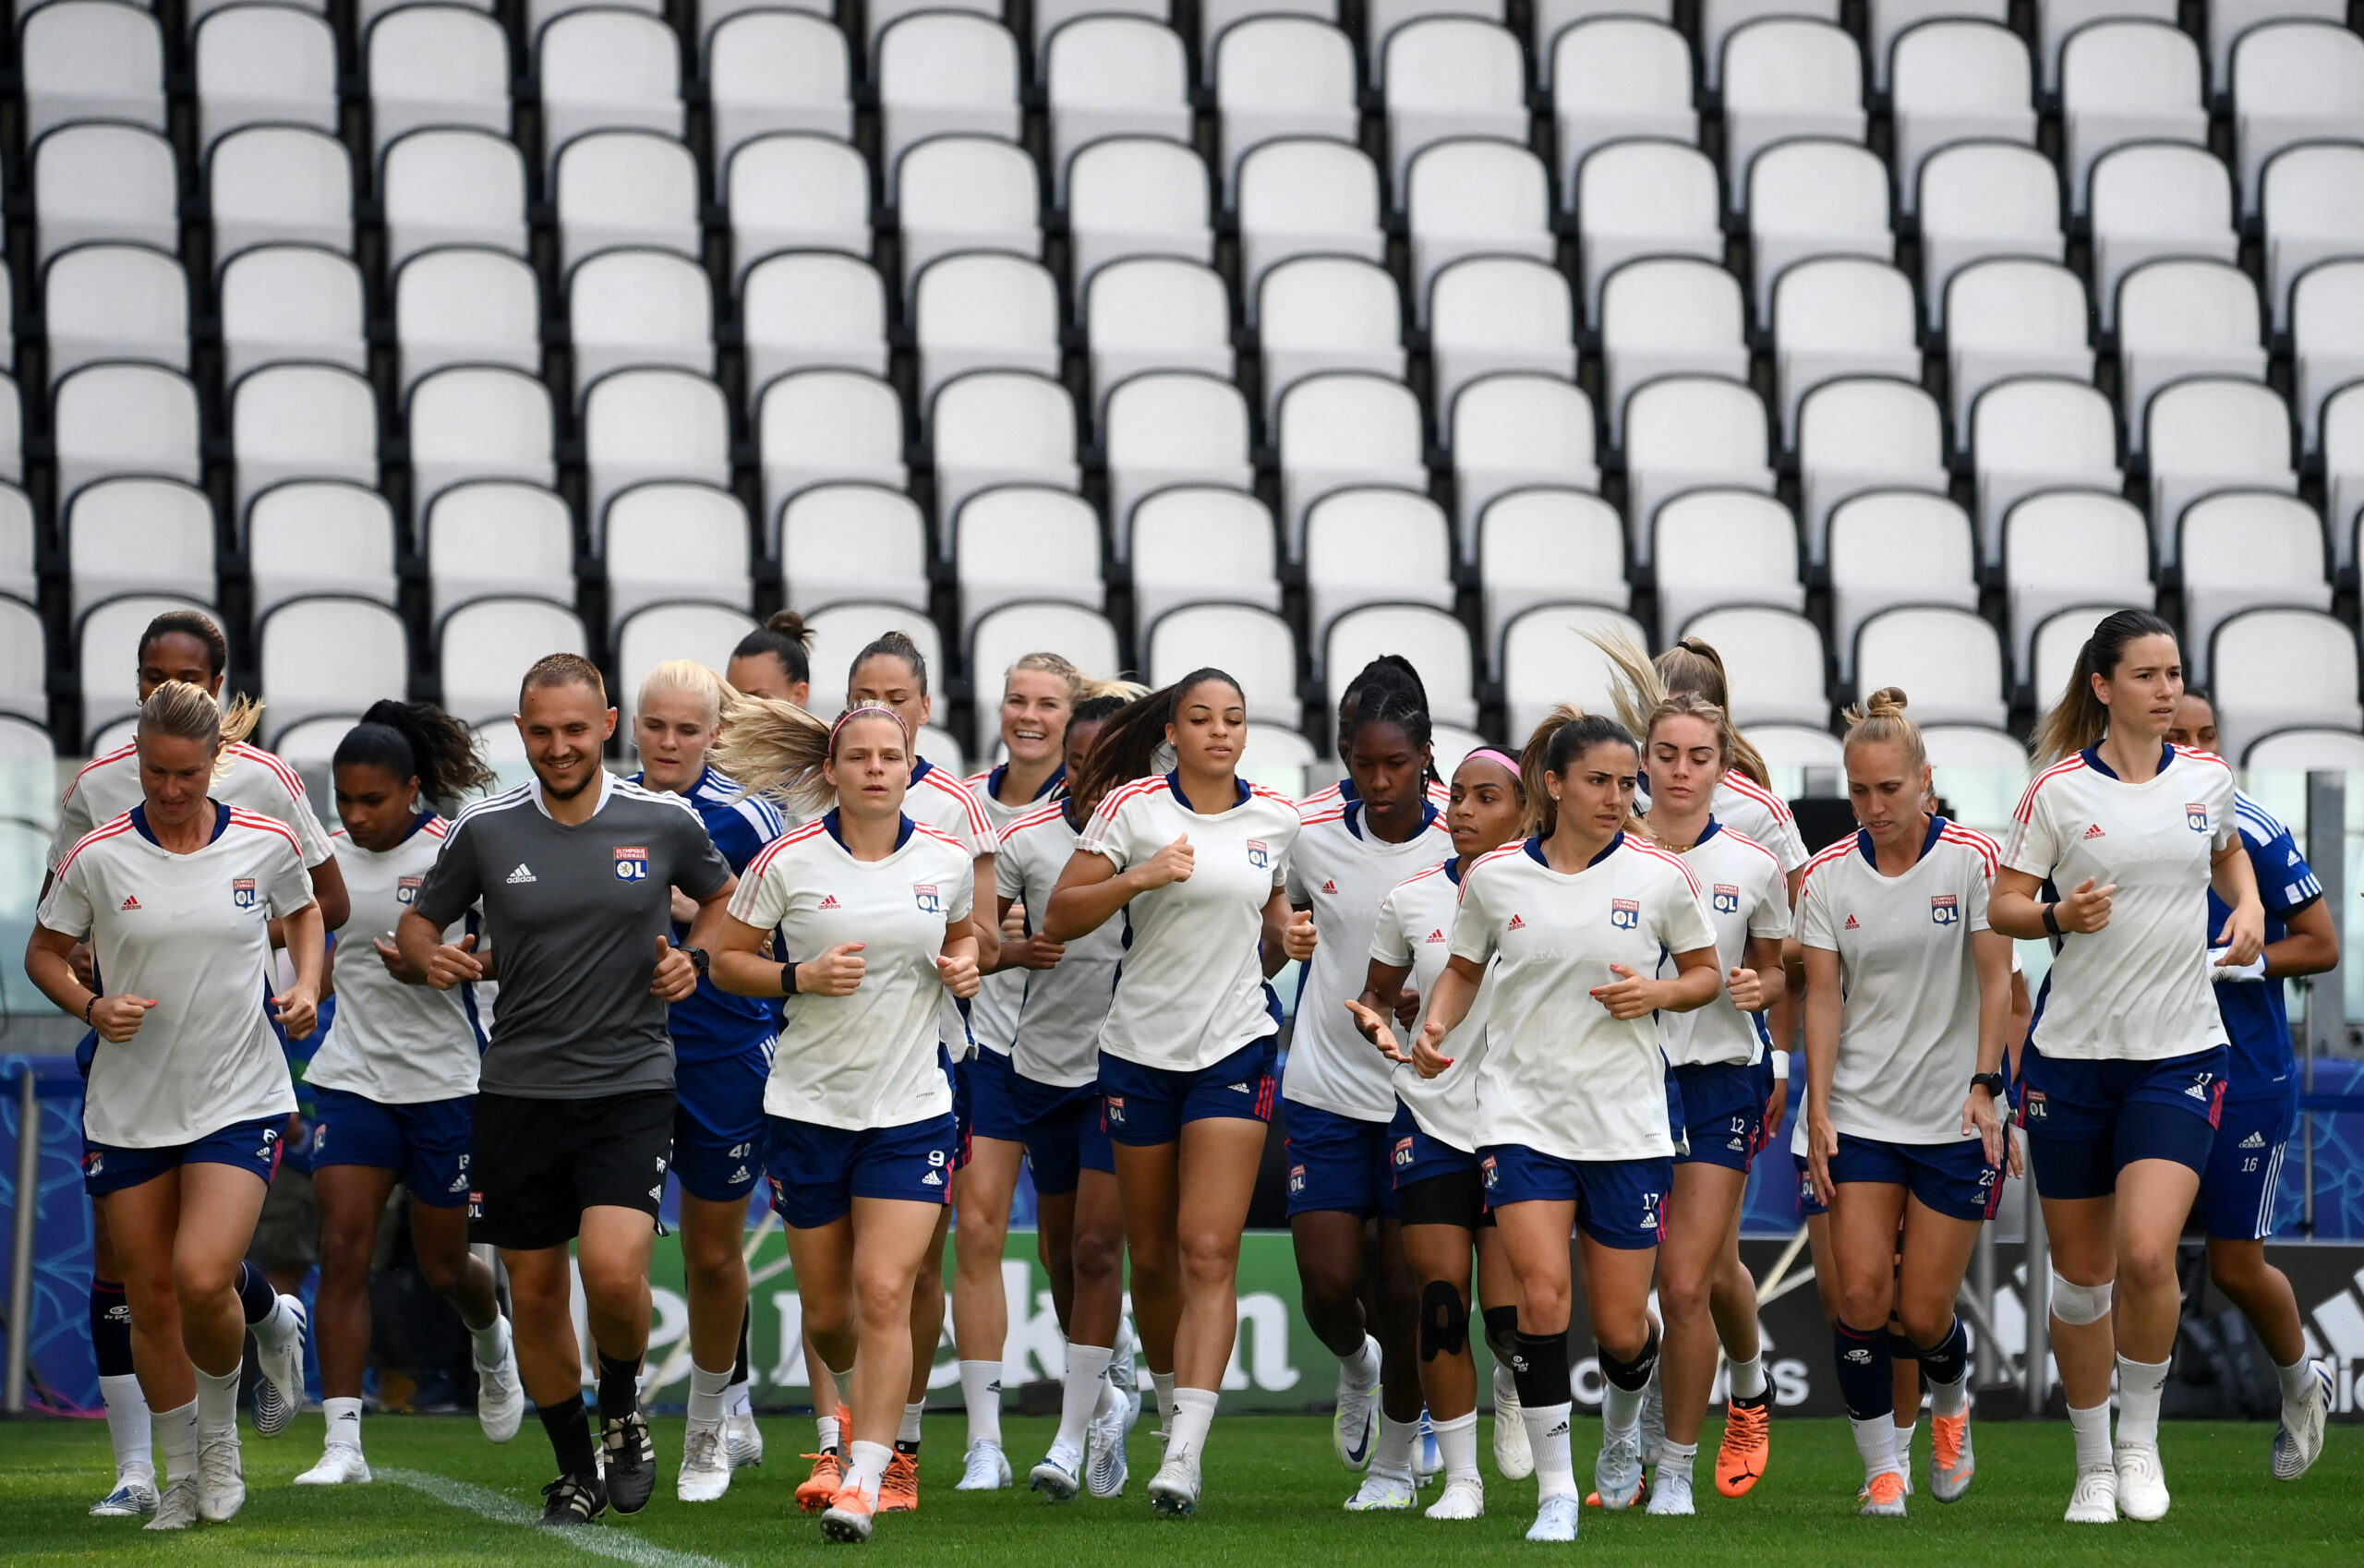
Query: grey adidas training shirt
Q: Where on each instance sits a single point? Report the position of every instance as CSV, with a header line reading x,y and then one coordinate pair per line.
x,y
574,915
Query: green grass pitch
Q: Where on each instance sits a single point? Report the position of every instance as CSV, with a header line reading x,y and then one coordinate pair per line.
x,y
1273,1494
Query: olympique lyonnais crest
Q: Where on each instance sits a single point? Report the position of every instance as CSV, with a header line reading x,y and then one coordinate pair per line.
x,y
632,863
929,898
242,892
1260,854
1626,914
1726,898
406,890
1945,909
2195,816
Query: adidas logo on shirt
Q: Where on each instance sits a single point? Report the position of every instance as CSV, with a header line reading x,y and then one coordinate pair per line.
x,y
2095,832
829,901
1437,935
1854,925
131,902
1517,923
521,875
2255,1141
1330,887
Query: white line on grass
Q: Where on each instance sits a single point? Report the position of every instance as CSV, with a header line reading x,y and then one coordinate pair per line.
x,y
487,1504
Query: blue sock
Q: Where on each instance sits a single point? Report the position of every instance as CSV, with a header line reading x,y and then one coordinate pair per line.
x,y
1865,1385
256,1298
1945,1362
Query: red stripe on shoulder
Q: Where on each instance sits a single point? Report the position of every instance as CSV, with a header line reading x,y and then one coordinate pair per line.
x,y
438,826
940,833
1334,814
1288,800
770,852
1830,855
2026,807
287,774
1978,843
114,828
1742,784
239,817
1737,837
1435,870
1122,793
1034,818
979,822
130,748
1643,846
2196,755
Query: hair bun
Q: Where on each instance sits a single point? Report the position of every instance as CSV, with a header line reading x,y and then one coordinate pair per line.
x,y
788,624
1888,702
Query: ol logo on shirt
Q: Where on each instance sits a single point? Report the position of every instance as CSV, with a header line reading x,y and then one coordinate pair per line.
x,y
926,896
632,863
1945,909
2195,816
1726,898
242,892
1626,914
406,890
1260,854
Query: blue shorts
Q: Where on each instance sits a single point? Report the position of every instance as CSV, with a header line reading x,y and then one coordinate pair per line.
x,y
985,1082
426,1143
1148,1105
249,1145
718,1125
2236,1190
1723,1112
1810,1202
1063,1132
959,1081
1415,1156
1339,1162
1620,1203
2088,1120
1952,1178
817,1171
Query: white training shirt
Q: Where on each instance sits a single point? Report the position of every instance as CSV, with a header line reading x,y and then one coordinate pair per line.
x,y
992,1014
869,1059
939,800
1746,806
2138,989
1340,872
1192,989
1560,1075
190,932
250,778
1747,895
395,1043
1414,931
1062,1009
1907,1032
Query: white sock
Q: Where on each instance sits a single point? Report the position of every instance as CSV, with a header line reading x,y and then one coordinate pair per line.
x,y
1506,1386
1748,1378
1620,1408
1086,1388
217,1404
133,1434
491,1342
705,1393
739,1398
2139,1384
1675,1459
831,1439
981,1390
1547,1437
910,1430
272,1333
2297,1377
177,1435
1875,1440
1457,1446
1949,1399
345,1423
1360,1370
1194,1412
1164,1383
2091,1430
1398,1448
866,1467
1904,1442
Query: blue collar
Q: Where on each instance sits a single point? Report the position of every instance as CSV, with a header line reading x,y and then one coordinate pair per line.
x,y
1928,842
421,820
1346,790
1354,815
836,830
921,770
1001,771
2092,755
1453,871
221,823
1534,847
1714,827
1174,783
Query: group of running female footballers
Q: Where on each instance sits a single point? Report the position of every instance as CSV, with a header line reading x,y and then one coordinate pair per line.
x,y
1556,995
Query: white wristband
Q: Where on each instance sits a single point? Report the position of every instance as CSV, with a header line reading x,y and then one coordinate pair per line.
x,y
1780,1067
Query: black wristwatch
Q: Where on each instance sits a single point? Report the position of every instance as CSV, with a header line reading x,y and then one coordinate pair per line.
x,y
699,960
1993,1082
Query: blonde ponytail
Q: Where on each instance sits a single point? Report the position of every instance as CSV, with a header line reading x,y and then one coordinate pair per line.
x,y
1693,665
774,749
179,711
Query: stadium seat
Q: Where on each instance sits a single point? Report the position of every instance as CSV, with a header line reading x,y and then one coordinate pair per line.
x,y
2213,434
1814,197
1196,544
2126,82
626,187
279,185
453,187
19,577
24,690
131,535
1282,77
2181,319
1000,428
107,641
984,313
1956,80
1449,76
1155,313
2056,20
816,427
1718,19
2327,339
1797,747
372,658
604,69
852,541
477,422
1324,313
1254,646
291,302
1865,433
462,306
1614,77
302,422
1305,197
498,538
642,425
1668,316
2314,213
943,74
1892,548
263,65
1948,661
1172,428
1491,314
968,193
126,302
1983,199
1381,18
1774,662
1050,15
12,432
320,536
842,631
1372,544
1012,631
1719,546
684,629
1551,20
2293,81
669,540
1136,195
1513,430
486,647
2038,433
2343,453
1971,758
124,419
2152,200
102,182
1637,199
28,755
1544,545
90,60
776,70
1839,316
436,66
2305,751
540,13
1281,758
1437,644
811,311
1684,432
1785,77
2065,548
1346,430
2282,669
2007,317
1547,660
2245,550
1014,543
886,13
629,308
1114,76
1475,197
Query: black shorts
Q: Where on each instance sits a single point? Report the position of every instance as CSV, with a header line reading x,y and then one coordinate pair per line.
x,y
536,1164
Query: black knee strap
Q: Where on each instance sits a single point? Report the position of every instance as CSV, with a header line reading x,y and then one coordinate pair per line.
x,y
1539,1363
1634,1374
1445,1321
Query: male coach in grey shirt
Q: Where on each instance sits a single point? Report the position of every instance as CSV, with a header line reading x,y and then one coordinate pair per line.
x,y
574,1108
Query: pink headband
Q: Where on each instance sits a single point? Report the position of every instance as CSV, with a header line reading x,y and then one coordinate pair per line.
x,y
1507,760
864,711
